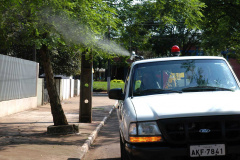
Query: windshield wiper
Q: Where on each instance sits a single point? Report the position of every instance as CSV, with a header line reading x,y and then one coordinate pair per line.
x,y
157,91
205,88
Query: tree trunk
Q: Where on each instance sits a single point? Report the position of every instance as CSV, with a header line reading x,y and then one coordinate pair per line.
x,y
59,117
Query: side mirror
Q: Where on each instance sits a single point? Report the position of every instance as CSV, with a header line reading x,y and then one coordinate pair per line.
x,y
116,93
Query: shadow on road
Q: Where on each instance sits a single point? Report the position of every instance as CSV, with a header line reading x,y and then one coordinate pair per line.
x,y
110,159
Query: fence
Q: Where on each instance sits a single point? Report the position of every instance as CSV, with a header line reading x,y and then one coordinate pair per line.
x,y
18,85
21,89
66,88
18,78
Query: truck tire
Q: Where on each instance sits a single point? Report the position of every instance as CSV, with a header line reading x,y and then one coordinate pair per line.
x,y
124,155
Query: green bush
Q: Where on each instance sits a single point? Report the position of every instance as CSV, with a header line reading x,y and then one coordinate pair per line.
x,y
117,81
99,86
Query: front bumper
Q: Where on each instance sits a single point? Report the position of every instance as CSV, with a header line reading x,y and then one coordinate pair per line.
x,y
142,152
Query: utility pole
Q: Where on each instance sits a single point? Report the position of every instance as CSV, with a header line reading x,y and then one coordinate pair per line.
x,y
85,111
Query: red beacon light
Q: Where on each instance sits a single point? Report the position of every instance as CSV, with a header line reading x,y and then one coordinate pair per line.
x,y
175,51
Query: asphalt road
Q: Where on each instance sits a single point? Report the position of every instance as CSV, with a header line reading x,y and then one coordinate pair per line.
x,y
106,146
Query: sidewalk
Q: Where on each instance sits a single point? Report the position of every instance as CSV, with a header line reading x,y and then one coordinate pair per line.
x,y
23,135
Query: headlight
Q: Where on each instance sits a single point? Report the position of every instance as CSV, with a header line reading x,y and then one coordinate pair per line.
x,y
148,128
144,132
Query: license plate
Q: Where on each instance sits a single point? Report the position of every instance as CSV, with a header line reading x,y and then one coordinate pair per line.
x,y
207,150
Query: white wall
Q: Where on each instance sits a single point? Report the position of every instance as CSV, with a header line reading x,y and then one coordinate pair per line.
x,y
18,85
17,105
72,88
40,91
66,88
76,87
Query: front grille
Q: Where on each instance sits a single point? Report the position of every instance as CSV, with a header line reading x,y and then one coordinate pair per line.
x,y
195,127
201,129
232,128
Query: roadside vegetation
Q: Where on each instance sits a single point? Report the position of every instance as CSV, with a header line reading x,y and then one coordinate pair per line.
x,y
101,86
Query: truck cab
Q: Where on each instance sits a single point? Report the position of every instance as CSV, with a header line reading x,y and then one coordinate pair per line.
x,y
179,108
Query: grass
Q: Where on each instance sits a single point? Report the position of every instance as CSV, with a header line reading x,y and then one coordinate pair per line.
x,y
99,86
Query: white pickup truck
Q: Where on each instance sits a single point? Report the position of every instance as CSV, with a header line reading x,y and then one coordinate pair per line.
x,y
179,108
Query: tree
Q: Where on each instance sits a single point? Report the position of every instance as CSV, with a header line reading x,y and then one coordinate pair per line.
x,y
51,25
150,25
221,25
68,28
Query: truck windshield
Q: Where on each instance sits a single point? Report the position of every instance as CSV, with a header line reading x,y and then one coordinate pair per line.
x,y
182,76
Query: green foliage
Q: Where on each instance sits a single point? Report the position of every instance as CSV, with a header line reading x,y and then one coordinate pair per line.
x,y
102,86
101,61
117,81
67,27
221,25
65,63
150,26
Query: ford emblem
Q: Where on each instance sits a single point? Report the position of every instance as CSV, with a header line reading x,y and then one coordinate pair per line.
x,y
204,130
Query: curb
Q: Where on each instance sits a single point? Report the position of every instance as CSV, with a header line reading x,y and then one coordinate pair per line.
x,y
100,94
85,147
